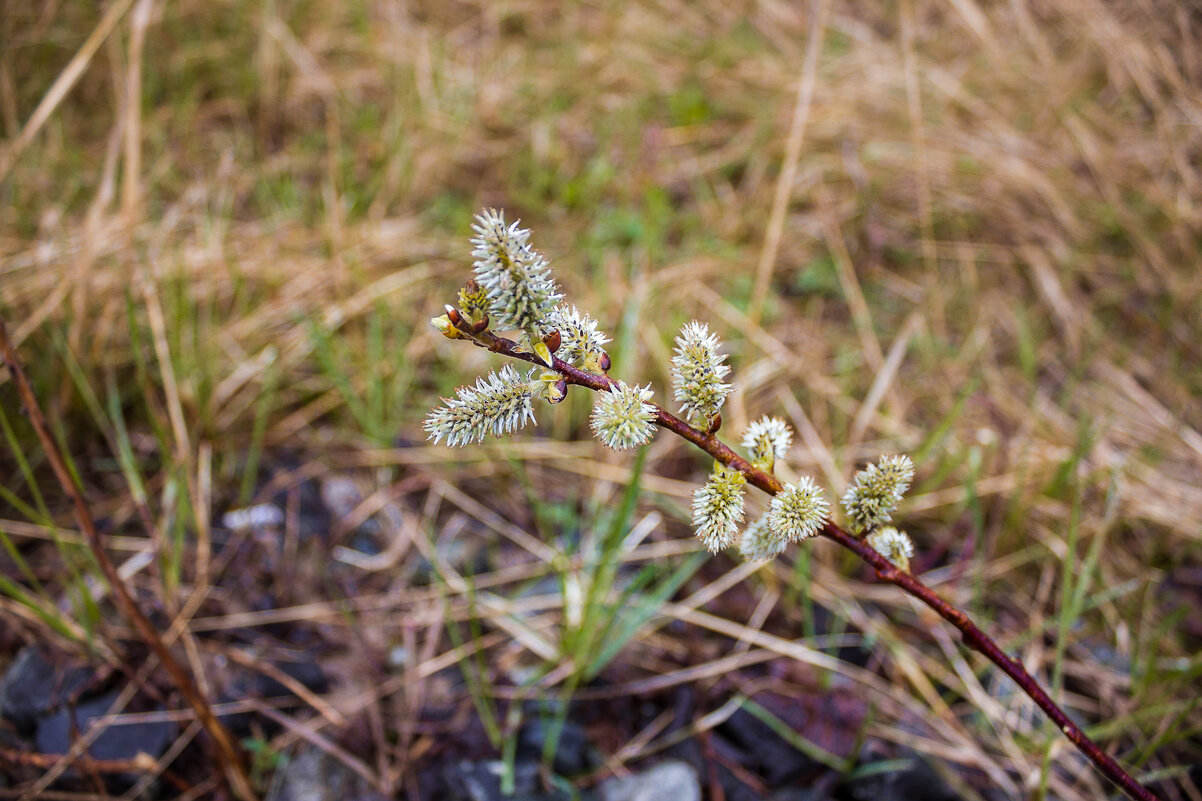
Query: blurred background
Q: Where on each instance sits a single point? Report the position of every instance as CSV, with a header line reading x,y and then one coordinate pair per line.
x,y
967,231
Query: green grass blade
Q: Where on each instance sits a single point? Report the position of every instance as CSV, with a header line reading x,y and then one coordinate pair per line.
x,y
635,617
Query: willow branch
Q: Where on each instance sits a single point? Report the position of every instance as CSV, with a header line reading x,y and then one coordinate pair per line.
x,y
970,633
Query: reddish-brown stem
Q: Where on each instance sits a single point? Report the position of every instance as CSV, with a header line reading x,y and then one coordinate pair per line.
x,y
970,633
226,752
981,642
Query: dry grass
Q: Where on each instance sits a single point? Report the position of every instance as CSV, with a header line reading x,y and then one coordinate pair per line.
x,y
964,231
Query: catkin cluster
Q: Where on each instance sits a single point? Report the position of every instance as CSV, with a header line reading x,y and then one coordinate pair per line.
x,y
512,289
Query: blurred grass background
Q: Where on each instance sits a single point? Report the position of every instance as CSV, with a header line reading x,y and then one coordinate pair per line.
x,y
966,231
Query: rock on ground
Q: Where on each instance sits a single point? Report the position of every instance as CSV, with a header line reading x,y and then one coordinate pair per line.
x,y
667,781
36,685
117,741
313,775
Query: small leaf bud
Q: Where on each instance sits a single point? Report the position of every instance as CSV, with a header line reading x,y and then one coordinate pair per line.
x,y
552,386
544,353
446,327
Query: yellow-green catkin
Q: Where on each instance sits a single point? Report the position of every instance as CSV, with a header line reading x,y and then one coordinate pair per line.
x,y
718,508
798,511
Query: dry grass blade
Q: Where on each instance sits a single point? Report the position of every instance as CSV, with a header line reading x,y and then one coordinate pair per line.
x,y
62,86
819,10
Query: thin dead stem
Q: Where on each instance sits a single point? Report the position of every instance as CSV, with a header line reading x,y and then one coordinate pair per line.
x,y
225,752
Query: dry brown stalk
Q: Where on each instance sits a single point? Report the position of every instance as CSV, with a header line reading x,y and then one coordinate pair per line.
x,y
139,764
225,751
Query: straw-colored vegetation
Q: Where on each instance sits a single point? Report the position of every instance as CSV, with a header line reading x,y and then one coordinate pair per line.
x,y
964,231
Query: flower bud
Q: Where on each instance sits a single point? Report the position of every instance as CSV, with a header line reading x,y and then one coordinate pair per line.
x,y
767,440
697,373
515,277
581,344
760,542
718,508
876,491
473,302
622,418
892,544
499,404
798,511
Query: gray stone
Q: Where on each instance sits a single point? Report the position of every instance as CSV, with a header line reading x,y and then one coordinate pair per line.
x,y
481,781
313,775
260,516
763,751
36,685
667,781
116,741
572,755
341,496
